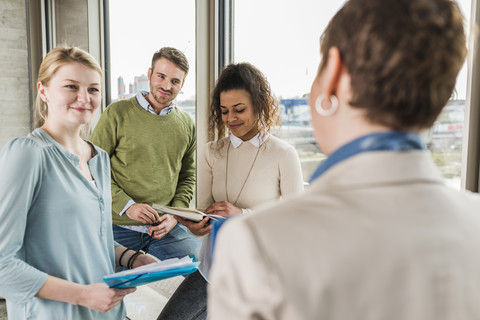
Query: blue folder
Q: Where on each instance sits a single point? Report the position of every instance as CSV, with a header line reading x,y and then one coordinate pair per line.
x,y
135,280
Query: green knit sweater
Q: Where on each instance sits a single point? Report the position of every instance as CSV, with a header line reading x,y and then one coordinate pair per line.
x,y
152,157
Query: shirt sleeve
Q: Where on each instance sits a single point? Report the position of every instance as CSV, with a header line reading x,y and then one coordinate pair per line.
x,y
21,172
187,175
242,285
291,178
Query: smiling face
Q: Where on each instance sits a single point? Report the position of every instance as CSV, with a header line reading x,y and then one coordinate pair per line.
x,y
166,81
72,95
238,114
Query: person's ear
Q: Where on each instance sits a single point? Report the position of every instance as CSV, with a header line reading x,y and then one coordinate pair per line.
x,y
149,73
41,92
332,71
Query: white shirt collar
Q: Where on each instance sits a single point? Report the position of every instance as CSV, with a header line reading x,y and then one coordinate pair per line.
x,y
257,141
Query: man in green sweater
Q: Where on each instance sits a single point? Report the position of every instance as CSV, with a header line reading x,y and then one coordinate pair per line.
x,y
151,144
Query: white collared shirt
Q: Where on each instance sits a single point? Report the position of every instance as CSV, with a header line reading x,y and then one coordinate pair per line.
x,y
257,141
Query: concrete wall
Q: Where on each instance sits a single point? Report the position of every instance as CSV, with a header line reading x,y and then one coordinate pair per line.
x,y
14,82
71,21
17,89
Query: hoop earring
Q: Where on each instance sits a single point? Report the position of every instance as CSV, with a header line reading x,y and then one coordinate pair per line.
x,y
326,112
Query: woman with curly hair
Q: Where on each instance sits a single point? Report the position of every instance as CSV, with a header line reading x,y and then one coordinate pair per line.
x,y
247,168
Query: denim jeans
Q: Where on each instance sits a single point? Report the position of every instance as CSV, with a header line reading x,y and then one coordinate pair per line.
x,y
178,243
189,301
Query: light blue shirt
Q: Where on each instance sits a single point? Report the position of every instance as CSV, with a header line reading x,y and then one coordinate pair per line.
x,y
53,221
381,141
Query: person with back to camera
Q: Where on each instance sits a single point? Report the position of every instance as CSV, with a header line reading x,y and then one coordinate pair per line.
x,y
235,173
57,241
151,144
378,235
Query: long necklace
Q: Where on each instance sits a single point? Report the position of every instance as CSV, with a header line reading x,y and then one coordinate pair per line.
x,y
244,182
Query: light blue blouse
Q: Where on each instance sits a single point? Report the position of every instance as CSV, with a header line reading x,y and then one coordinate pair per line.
x,y
53,221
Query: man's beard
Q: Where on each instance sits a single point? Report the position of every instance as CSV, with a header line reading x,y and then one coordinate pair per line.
x,y
162,100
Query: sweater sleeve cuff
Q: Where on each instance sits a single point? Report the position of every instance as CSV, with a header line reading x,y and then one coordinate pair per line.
x,y
246,211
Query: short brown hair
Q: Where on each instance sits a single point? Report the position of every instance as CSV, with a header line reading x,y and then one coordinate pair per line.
x,y
173,55
243,76
403,57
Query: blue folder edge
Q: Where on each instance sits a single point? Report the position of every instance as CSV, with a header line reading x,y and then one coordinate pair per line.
x,y
136,280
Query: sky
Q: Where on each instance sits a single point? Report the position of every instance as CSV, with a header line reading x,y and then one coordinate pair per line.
x,y
138,31
280,37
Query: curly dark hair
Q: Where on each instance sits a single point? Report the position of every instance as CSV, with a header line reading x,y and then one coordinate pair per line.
x,y
403,58
247,77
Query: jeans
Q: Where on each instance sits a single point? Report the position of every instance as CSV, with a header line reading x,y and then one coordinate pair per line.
x,y
178,243
189,301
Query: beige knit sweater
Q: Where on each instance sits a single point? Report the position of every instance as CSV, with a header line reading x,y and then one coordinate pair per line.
x,y
275,174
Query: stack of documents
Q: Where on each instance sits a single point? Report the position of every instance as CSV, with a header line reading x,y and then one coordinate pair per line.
x,y
151,273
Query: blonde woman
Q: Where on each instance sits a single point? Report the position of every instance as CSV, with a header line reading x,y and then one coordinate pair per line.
x,y
57,240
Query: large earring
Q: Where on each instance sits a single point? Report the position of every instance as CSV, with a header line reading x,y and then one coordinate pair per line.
x,y
319,105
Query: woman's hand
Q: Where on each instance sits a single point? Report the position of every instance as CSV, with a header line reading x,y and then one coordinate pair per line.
x,y
223,208
143,213
167,223
97,296
200,228
100,297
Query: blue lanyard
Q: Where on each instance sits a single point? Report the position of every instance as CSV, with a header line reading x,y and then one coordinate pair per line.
x,y
383,141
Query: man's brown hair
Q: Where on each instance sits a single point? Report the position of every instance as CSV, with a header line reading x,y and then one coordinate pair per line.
x,y
173,55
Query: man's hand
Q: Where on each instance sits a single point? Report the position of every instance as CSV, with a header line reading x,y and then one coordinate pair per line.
x,y
167,223
143,213
197,228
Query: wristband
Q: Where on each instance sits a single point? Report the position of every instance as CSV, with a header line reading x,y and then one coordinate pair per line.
x,y
132,259
121,256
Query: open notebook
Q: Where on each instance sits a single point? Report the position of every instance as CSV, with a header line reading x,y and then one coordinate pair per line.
x,y
186,213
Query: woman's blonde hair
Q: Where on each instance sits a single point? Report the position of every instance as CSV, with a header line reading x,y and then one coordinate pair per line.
x,y
55,59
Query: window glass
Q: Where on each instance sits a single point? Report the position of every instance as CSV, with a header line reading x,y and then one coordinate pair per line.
x,y
281,38
445,138
137,30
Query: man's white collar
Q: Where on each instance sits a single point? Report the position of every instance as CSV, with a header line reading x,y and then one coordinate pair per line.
x,y
257,141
